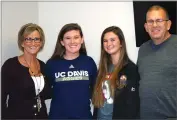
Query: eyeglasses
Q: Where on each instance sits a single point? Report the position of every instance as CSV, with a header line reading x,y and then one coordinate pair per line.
x,y
36,40
157,21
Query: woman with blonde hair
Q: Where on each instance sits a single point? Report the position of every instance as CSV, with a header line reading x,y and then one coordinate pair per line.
x,y
24,87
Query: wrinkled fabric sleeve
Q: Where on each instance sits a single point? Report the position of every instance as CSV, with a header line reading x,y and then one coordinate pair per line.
x,y
5,88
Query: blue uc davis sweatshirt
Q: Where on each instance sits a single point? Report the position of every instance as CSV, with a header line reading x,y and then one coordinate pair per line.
x,y
72,82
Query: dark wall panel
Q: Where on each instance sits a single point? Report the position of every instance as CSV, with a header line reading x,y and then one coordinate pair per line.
x,y
140,9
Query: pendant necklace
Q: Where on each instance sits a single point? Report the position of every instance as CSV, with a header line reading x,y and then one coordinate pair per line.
x,y
38,85
39,105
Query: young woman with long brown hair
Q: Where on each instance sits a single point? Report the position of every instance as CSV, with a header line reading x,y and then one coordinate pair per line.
x,y
116,89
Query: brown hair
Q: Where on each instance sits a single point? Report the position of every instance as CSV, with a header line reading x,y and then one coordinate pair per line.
x,y
105,61
28,29
59,49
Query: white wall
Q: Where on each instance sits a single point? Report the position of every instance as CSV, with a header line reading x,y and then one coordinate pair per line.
x,y
93,17
0,32
0,43
14,15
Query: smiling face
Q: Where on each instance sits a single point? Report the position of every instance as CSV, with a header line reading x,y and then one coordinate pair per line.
x,y
111,43
72,42
32,46
158,31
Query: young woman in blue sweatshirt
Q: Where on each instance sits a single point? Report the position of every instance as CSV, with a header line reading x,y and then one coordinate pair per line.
x,y
72,74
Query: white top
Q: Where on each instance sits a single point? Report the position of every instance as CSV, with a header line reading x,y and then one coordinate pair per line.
x,y
39,83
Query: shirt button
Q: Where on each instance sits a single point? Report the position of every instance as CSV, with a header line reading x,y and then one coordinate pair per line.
x,y
34,106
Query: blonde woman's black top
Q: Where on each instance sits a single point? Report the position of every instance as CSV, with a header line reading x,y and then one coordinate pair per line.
x,y
18,96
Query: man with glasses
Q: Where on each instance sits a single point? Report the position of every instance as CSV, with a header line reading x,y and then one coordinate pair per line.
x,y
157,65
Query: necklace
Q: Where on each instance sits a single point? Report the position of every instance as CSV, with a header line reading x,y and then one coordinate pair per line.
x,y
35,76
38,87
34,72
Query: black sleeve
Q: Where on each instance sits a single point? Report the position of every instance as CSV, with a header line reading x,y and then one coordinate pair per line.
x,y
95,113
132,97
93,77
5,86
47,92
